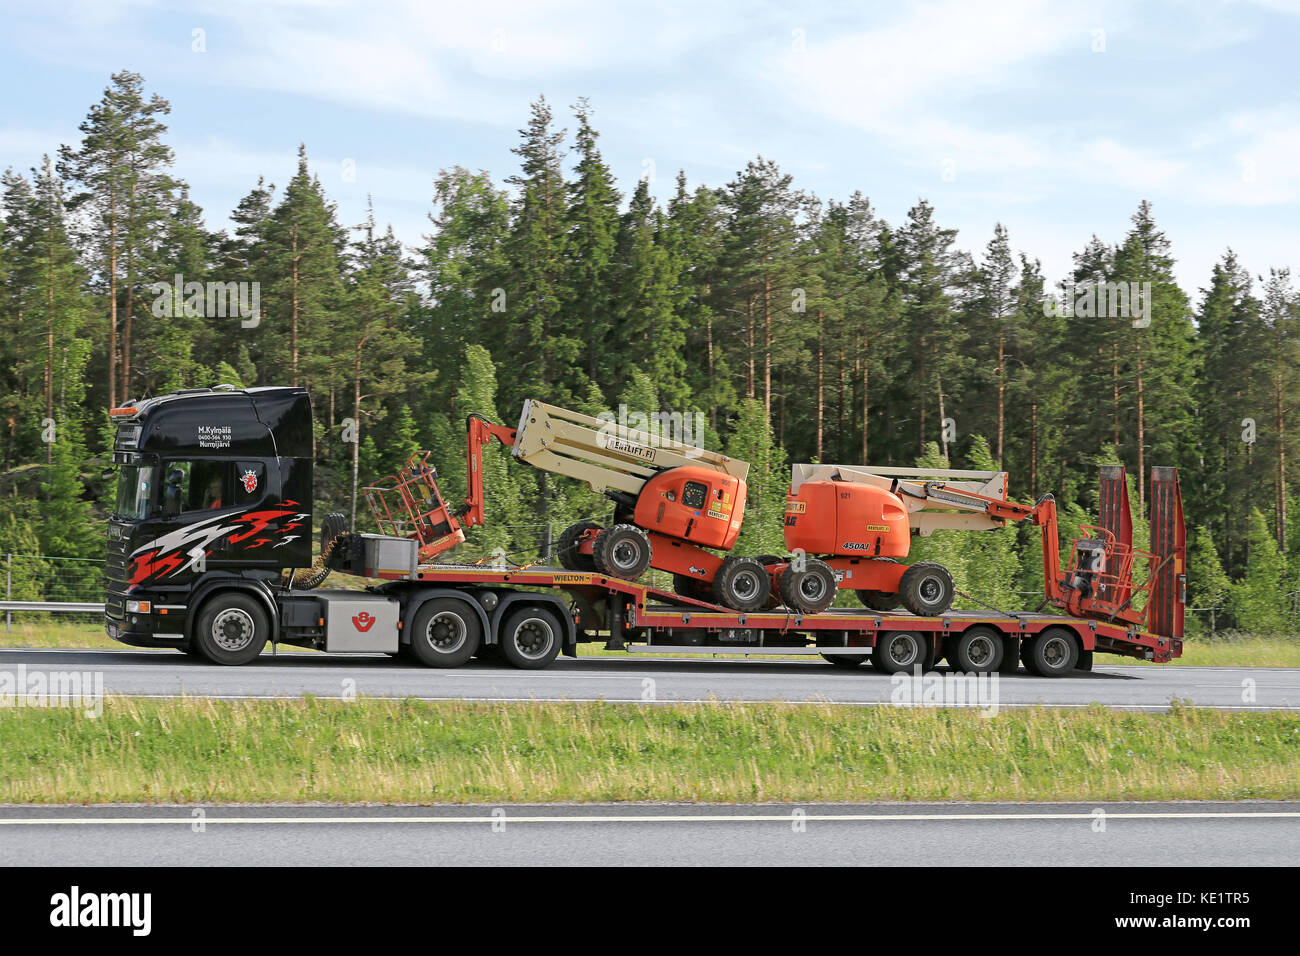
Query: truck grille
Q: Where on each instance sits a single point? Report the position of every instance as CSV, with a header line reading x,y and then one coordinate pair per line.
x,y
115,565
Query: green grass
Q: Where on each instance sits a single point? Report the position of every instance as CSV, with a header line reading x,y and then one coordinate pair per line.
x,y
434,752
1229,650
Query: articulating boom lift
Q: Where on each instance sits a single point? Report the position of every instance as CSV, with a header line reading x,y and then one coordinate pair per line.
x,y
847,526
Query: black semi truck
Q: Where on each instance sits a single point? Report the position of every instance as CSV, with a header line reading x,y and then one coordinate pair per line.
x,y
210,552
210,548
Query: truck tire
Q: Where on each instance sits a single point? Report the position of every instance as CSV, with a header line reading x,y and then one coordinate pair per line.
x,y
927,589
811,589
445,632
879,600
530,637
622,551
976,650
571,559
331,526
232,629
901,652
845,660
741,584
1053,653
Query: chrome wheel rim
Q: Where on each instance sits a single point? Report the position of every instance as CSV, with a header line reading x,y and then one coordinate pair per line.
x,y
233,629
446,632
533,637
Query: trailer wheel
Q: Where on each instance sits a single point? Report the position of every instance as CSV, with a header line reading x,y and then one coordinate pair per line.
x,y
741,584
232,629
977,650
571,559
1053,653
878,600
901,652
926,589
530,637
811,589
845,660
622,551
445,632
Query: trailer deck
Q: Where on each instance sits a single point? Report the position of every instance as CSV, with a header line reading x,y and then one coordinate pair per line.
x,y
625,613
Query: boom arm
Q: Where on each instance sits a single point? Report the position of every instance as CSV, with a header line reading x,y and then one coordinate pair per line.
x,y
605,453
479,432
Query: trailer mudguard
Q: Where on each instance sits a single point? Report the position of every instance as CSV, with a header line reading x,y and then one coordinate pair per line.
x,y
413,597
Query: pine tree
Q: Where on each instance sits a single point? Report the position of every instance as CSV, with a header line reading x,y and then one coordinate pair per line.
x,y
647,333
589,250
543,341
464,263
1161,346
1208,587
303,249
1256,601
122,166
752,440
693,235
931,276
760,272
370,330
1281,392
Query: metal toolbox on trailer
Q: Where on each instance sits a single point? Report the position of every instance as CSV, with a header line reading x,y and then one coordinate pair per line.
x,y
386,556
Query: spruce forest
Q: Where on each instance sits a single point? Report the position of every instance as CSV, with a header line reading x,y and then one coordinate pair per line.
x,y
790,327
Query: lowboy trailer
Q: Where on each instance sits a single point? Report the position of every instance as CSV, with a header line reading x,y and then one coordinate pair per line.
x,y
210,552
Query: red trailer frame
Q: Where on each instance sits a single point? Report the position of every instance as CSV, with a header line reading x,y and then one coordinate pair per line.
x,y
624,613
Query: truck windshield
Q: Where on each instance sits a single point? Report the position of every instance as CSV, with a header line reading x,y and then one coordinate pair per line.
x,y
134,486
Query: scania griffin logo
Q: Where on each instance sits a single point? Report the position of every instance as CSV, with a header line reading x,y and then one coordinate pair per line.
x,y
249,478
363,621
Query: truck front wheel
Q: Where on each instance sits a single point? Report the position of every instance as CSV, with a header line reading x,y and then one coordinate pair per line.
x,y
232,629
445,633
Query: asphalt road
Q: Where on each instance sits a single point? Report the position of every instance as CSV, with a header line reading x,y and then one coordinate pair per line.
x,y
1115,834
168,673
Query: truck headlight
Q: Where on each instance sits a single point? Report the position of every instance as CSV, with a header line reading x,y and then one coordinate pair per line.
x,y
138,607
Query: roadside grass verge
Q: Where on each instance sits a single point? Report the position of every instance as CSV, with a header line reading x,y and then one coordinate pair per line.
x,y
408,751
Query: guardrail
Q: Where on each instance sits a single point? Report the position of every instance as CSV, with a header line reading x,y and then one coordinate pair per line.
x,y
70,607
67,607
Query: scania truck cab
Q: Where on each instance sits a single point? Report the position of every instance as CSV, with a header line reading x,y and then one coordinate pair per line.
x,y
214,490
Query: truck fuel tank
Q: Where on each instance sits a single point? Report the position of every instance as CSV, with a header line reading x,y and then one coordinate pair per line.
x,y
356,621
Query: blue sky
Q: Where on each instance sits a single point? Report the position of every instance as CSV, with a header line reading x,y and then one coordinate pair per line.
x,y
1054,118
